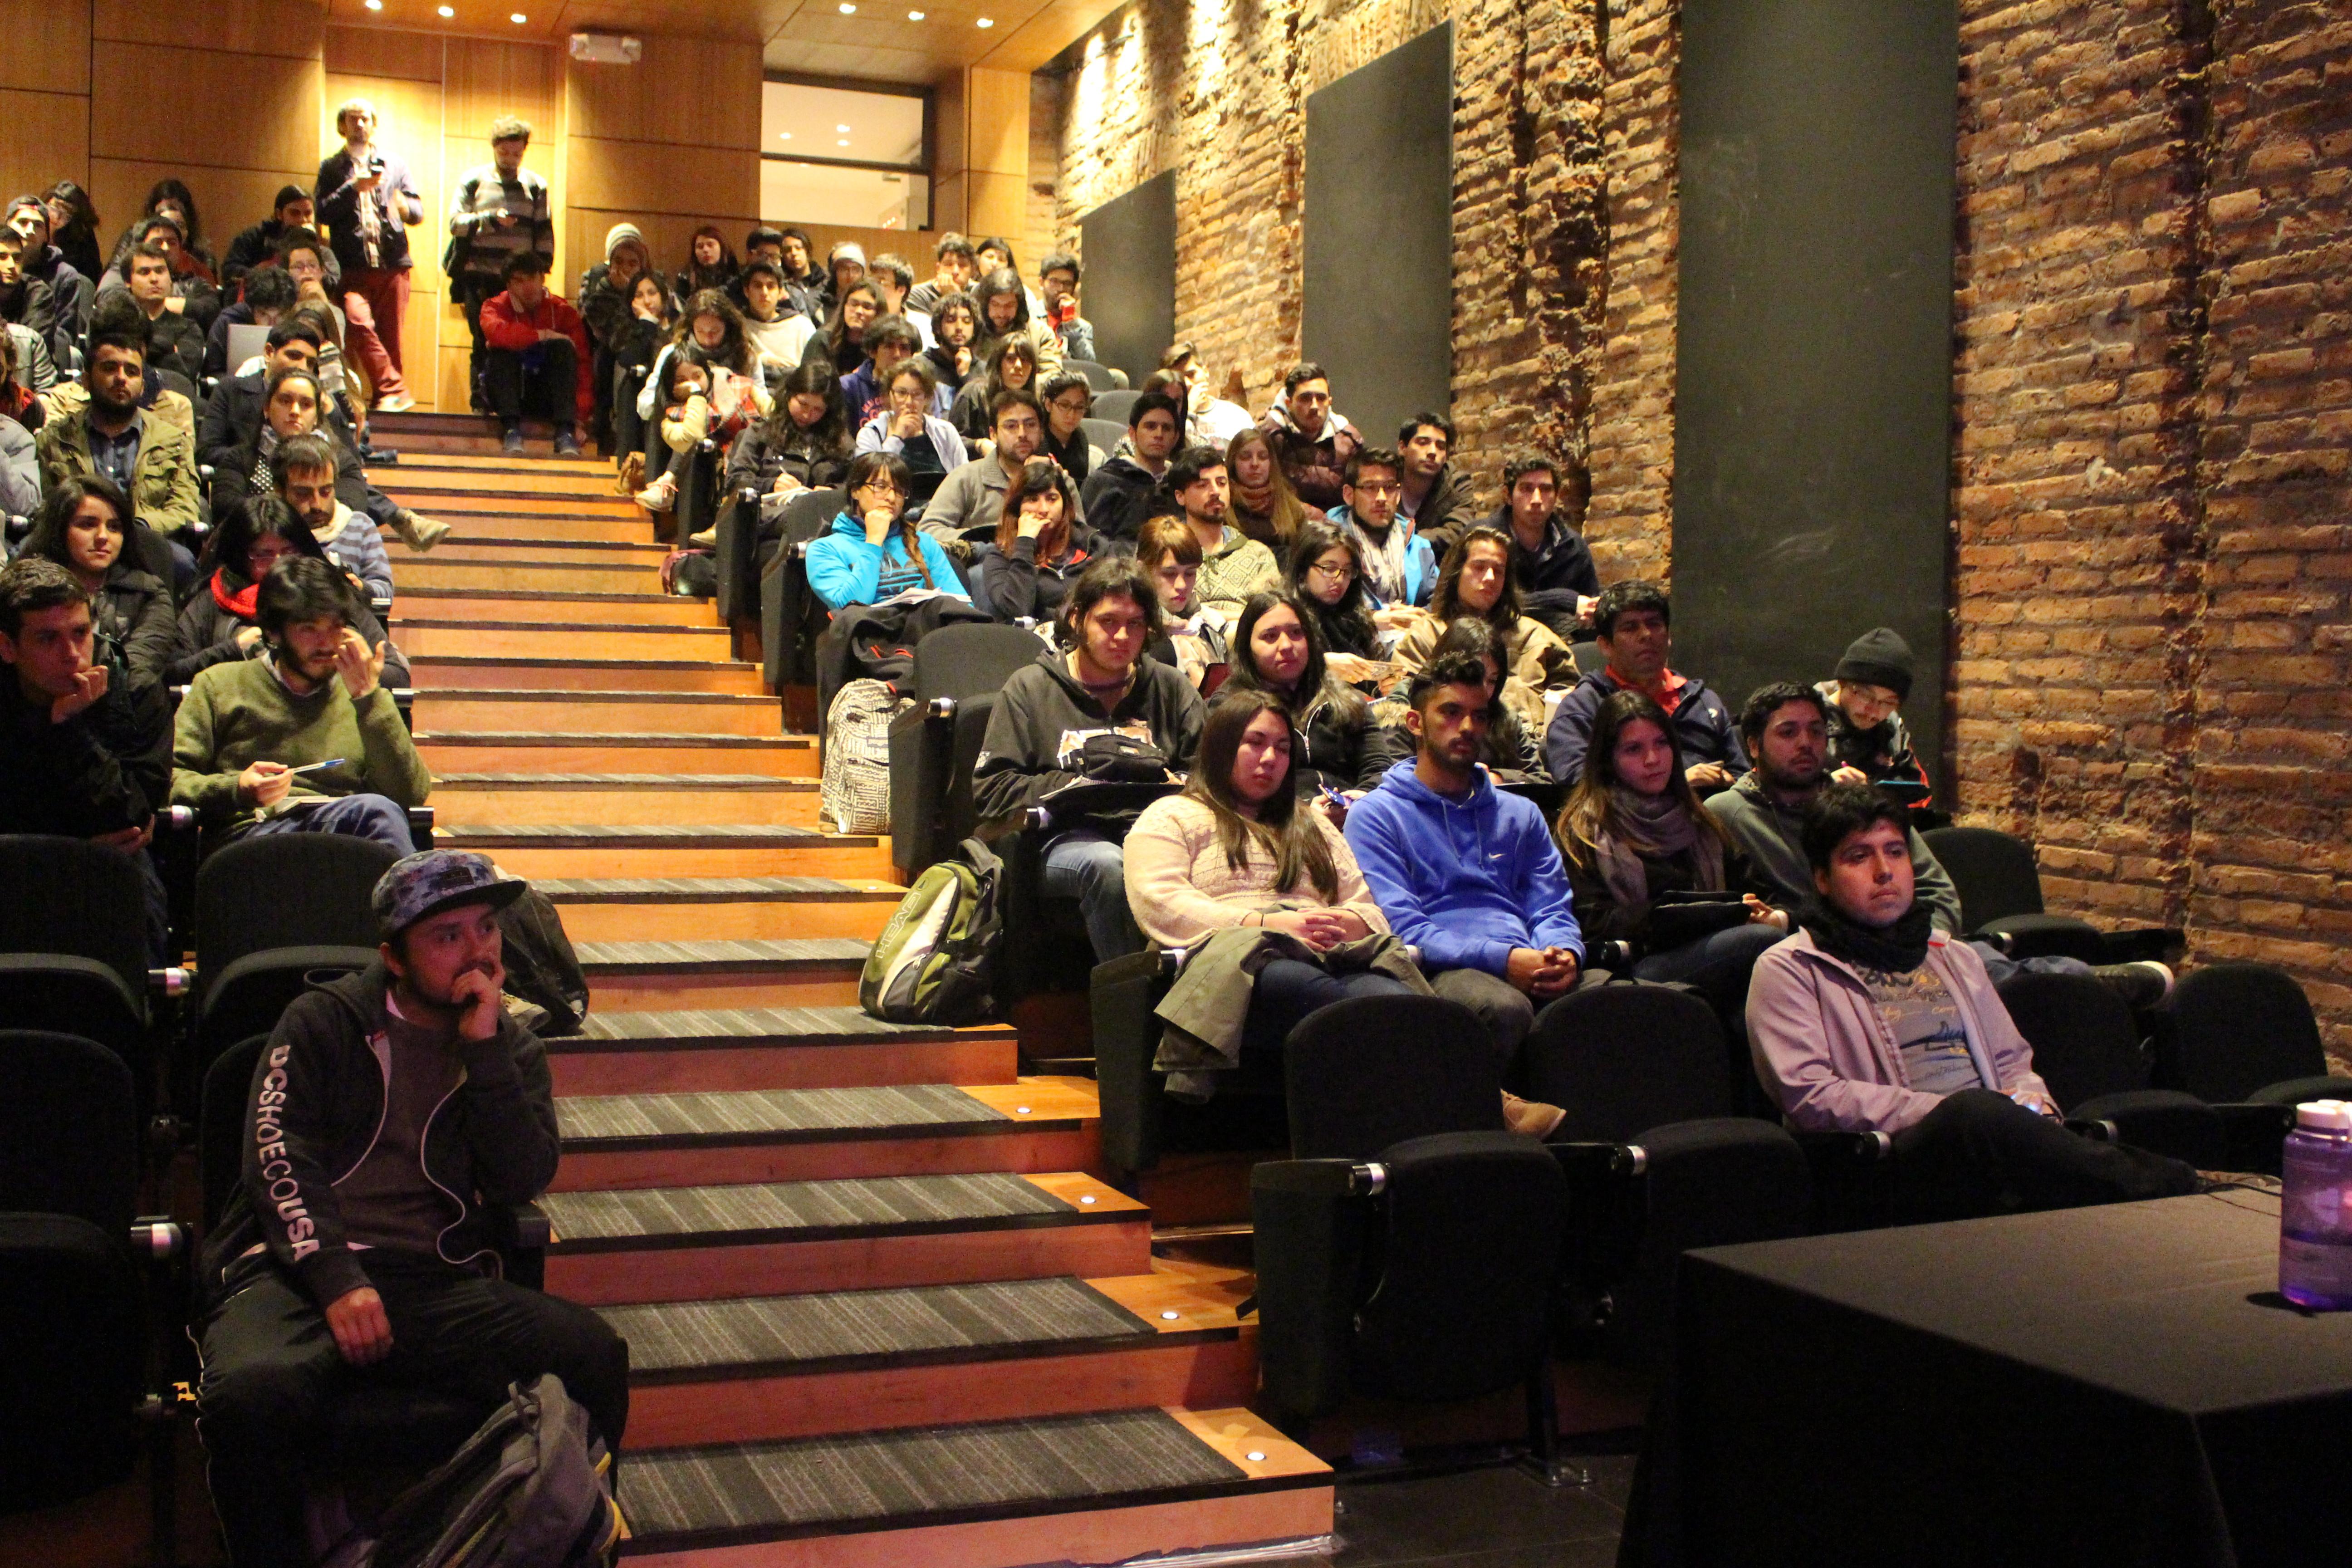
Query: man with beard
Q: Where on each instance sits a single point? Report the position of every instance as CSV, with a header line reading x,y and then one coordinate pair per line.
x,y
175,338
1124,494
316,696
1550,560
1312,441
151,459
1232,564
1438,500
1399,567
1094,683
392,1111
1633,622
1870,1019
972,495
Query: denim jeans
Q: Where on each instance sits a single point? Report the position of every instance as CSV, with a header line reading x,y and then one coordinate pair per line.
x,y
353,815
1088,867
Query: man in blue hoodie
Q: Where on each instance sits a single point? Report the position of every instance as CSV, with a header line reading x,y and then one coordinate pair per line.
x,y
1465,872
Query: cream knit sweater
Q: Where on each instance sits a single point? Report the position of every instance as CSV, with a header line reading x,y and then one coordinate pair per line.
x,y
1180,886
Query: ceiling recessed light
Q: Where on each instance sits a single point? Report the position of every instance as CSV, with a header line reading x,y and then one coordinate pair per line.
x,y
783,136
375,5
516,17
841,130
985,22
843,143
447,11
847,9
914,16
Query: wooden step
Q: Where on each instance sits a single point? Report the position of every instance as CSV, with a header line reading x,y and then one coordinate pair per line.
x,y
549,479
684,850
664,908
623,712
613,608
545,512
692,1244
1206,1486
568,639
475,799
524,550
667,977
614,1142
484,524
452,672
484,463
795,1366
544,572
773,1048
487,752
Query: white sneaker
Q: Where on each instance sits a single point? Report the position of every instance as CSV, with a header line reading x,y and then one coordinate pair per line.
x,y
659,496
398,402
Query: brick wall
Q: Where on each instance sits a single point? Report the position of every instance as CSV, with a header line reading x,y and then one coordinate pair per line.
x,y
2152,379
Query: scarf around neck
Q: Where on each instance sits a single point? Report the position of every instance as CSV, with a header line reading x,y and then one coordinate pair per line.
x,y
238,601
1656,825
1897,949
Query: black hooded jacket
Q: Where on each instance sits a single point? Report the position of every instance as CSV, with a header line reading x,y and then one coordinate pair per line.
x,y
1043,718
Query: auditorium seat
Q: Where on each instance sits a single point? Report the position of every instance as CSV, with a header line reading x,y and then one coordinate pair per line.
x,y
1098,376
1114,405
1046,946
792,618
2087,1051
1105,434
2243,1031
959,670
2001,899
73,946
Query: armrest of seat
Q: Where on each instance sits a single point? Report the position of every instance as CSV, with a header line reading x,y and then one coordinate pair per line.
x,y
774,658
921,743
738,535
420,826
1852,1178
1123,996
2142,945
2161,1120
528,1233
1310,1219
1605,1212
2254,1136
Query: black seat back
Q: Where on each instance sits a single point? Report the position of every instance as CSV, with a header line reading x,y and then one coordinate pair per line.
x,y
960,661
287,890
1621,1060
2080,1027
70,1314
68,1130
1372,1071
2230,1029
1994,873
1588,656
220,1124
71,896
790,629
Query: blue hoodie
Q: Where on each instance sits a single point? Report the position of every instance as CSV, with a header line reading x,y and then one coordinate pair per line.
x,y
844,569
1465,881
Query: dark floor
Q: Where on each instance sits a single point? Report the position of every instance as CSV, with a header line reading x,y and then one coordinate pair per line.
x,y
1495,1517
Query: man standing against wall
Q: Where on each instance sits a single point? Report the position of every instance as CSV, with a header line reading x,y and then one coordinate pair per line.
x,y
368,199
499,210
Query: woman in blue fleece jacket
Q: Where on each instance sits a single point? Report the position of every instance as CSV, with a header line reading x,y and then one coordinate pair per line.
x,y
874,550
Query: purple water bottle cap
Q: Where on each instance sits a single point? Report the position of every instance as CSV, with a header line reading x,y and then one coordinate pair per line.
x,y
2324,1115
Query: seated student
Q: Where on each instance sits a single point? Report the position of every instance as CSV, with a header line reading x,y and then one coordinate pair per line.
x,y
1265,506
1006,315
89,753
1068,400
955,271
314,695
1512,751
1057,281
1399,567
536,356
891,342
874,550
257,246
709,264
150,458
910,429
711,328
841,341
176,341
189,289
844,269
1554,569
1193,637
232,418
608,312
1325,571
639,342
1870,1019
892,275
345,509
270,298
1209,420
955,330
1632,832
1095,683
1243,846
25,301
708,402
804,445
1465,872
31,371
390,1112
794,251
1438,500
972,496
1277,650
779,333
1632,623
1233,565
220,621
1125,492
1312,441
307,474
1042,544
84,526
73,290
1868,741
1010,365
1476,582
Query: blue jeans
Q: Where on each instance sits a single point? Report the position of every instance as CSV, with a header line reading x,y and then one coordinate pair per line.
x,y
1288,990
1085,866
1999,967
1717,965
352,815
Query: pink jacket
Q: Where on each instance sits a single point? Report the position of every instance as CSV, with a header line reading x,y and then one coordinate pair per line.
x,y
1820,1044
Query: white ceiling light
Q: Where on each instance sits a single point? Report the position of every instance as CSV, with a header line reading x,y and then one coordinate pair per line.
x,y
375,5
985,22
914,16
843,143
447,12
518,18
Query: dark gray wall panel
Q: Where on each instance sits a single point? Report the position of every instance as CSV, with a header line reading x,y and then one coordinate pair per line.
x,y
1129,289
1813,372
1379,263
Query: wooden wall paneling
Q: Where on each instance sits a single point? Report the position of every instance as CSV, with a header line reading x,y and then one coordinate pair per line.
x,y
48,50
949,202
651,100
997,204
913,244
44,138
381,51
289,28
950,137
998,123
486,81
647,176
227,200
228,110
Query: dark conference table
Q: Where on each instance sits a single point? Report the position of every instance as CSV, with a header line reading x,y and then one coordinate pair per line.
x,y
2109,1385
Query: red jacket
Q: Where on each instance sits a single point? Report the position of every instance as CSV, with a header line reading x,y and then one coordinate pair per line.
x,y
506,325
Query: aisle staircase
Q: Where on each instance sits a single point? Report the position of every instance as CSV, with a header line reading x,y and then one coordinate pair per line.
x,y
881,1308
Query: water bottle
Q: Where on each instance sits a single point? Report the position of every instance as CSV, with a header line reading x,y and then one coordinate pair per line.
x,y
2316,1215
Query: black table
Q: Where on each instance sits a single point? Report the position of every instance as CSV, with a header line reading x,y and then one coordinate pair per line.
x,y
2109,1385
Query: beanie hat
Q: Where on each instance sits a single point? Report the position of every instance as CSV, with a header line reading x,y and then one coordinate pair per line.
x,y
622,234
1879,657
847,250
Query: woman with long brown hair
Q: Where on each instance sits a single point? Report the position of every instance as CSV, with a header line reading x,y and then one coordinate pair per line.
x,y
1478,581
1264,507
1042,544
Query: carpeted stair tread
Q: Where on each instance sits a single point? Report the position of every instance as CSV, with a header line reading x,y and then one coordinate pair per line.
x,y
801,1025
594,694
709,890
620,781
637,1120
867,1205
746,1491
833,1326
684,957
645,835
614,738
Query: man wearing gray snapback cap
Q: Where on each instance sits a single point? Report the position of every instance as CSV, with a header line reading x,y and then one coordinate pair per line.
x,y
391,1113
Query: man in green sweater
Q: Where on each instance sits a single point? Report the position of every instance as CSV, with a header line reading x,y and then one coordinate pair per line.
x,y
248,731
